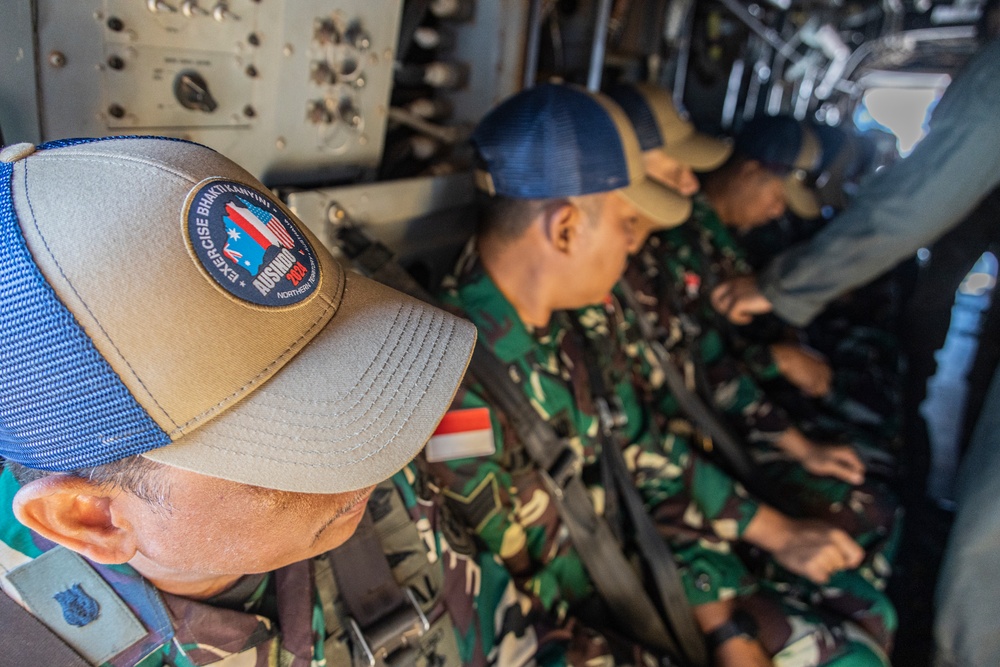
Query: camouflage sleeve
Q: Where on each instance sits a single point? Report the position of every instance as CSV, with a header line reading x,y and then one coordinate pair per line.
x,y
690,494
737,394
760,361
700,511
502,499
687,494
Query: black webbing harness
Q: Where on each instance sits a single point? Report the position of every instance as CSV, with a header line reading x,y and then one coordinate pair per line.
x,y
621,589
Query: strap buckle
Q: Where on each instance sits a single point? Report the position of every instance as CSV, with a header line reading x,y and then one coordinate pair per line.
x,y
392,639
562,471
610,414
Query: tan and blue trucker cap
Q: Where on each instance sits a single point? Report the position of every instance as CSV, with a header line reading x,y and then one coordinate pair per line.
x,y
158,300
560,140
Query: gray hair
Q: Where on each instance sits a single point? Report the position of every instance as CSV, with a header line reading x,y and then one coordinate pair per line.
x,y
134,474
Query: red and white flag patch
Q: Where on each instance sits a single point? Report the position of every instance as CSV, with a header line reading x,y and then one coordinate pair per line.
x,y
462,434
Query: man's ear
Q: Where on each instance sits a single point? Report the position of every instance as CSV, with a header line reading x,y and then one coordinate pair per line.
x,y
562,224
754,172
78,515
750,167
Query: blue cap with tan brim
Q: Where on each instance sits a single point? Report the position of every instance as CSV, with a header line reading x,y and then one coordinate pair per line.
x,y
791,150
562,141
658,125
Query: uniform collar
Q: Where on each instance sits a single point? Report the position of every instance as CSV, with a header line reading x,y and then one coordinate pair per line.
x,y
474,294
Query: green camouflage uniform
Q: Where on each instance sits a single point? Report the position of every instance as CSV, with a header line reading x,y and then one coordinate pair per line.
x,y
671,277
701,254
293,617
695,506
855,332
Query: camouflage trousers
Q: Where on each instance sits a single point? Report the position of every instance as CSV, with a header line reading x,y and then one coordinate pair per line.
x,y
868,512
848,621
795,628
816,630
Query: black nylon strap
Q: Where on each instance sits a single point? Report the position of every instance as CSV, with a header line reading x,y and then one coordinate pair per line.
x,y
364,579
613,576
733,455
24,640
384,620
656,554
660,560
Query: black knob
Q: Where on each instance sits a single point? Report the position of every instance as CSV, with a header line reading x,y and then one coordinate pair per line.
x,y
191,90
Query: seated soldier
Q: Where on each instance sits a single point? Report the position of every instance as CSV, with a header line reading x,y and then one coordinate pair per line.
x,y
816,480
557,239
671,150
825,481
856,333
197,403
774,162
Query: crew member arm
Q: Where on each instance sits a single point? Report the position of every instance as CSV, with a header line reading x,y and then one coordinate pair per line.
x,y
908,206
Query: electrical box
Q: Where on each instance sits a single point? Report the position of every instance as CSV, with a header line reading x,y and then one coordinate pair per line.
x,y
295,91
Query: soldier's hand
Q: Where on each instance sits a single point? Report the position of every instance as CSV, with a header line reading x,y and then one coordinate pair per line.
x,y
803,367
839,461
817,551
739,299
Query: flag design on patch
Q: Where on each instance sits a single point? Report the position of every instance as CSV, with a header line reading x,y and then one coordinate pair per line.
x,y
272,223
462,434
248,236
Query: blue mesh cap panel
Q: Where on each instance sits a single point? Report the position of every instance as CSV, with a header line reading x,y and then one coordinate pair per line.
x,y
774,141
832,141
635,106
62,406
551,141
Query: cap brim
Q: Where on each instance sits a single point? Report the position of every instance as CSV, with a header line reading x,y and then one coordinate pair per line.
x,y
352,408
661,205
700,151
800,199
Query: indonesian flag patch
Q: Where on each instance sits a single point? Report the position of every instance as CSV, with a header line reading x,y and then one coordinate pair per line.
x,y
462,434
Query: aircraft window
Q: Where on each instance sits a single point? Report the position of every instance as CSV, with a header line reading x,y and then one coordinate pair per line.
x,y
901,103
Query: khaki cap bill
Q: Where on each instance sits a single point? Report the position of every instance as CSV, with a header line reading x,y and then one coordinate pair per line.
x,y
331,390
664,207
680,138
799,196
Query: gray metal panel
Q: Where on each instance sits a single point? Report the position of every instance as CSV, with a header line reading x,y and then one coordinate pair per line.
x,y
259,60
493,44
424,220
18,91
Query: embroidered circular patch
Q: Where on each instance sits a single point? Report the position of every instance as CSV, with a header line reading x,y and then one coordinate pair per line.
x,y
249,246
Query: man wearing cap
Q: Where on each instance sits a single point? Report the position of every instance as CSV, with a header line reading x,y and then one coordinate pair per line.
x,y
668,278
821,484
772,155
552,240
197,402
666,275
951,173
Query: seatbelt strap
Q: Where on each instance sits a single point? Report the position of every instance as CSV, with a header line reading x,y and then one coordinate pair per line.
x,y
384,619
733,455
24,640
609,569
656,553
